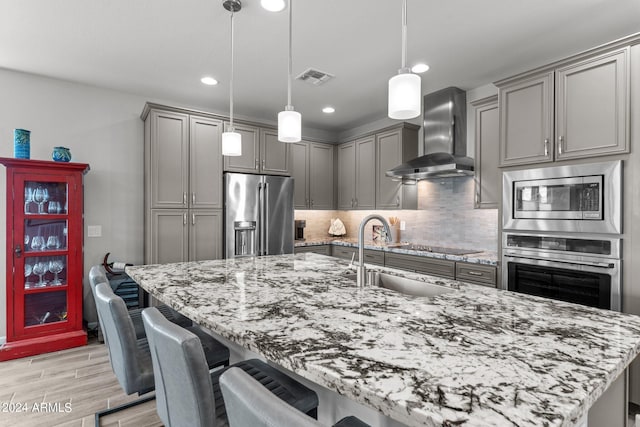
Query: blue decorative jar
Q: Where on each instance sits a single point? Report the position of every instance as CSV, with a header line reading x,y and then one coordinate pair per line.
x,y
21,143
61,154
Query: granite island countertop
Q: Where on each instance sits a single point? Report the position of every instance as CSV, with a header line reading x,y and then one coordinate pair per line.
x,y
476,357
482,257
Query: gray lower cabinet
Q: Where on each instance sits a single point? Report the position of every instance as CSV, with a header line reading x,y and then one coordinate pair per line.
x,y
479,274
576,109
261,152
487,175
184,235
393,147
312,171
316,249
420,264
347,252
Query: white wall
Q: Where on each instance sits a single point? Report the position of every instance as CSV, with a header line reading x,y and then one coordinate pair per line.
x,y
102,128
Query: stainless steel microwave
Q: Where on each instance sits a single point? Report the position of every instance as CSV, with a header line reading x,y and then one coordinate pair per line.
x,y
572,198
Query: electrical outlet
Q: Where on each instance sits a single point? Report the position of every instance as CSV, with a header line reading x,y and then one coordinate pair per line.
x,y
403,225
94,231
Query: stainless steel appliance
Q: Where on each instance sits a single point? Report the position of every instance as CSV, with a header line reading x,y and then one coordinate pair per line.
x,y
445,139
258,215
300,225
570,268
572,198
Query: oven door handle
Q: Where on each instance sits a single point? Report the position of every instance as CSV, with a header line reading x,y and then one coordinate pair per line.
x,y
586,264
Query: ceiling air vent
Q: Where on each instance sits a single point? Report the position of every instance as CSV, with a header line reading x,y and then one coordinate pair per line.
x,y
315,77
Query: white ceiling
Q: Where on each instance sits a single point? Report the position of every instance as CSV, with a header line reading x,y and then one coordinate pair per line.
x,y
160,48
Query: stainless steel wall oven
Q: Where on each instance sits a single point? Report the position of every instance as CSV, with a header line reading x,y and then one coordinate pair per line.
x,y
580,270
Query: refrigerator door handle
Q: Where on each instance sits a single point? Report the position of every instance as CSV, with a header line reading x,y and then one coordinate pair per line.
x,y
260,220
265,219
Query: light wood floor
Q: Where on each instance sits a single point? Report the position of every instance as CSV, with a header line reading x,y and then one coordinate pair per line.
x,y
81,377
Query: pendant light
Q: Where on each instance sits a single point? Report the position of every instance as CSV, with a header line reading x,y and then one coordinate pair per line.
x,y
289,121
404,88
231,140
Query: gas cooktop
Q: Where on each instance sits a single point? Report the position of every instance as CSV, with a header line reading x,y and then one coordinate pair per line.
x,y
436,249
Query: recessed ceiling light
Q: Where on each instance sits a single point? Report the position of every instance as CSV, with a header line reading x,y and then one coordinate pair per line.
x,y
420,68
328,110
273,5
209,81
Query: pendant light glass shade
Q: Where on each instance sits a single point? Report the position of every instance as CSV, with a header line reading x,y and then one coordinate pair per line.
x,y
273,5
231,144
289,121
289,126
405,90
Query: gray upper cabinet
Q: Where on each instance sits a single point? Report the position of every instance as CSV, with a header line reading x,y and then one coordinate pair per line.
x,y
365,196
347,175
205,166
592,106
312,171
167,158
394,147
578,109
321,187
261,152
487,174
526,121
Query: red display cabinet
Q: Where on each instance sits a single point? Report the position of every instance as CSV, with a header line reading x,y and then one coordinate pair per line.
x,y
44,257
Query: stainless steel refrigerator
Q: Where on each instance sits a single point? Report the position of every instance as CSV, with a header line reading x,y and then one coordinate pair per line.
x,y
258,215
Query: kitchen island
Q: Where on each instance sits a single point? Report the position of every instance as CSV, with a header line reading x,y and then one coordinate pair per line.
x,y
477,356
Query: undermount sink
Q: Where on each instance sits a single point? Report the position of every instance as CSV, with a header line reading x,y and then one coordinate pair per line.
x,y
405,286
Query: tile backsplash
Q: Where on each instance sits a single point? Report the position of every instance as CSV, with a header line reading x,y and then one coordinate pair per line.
x,y
445,217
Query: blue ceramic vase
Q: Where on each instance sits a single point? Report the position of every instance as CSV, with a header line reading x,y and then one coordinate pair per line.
x,y
21,143
61,154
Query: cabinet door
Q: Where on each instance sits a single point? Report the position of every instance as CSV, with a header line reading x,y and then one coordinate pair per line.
x,y
365,173
205,235
526,121
169,236
169,157
205,166
346,175
248,162
321,176
274,155
487,174
389,155
592,106
300,174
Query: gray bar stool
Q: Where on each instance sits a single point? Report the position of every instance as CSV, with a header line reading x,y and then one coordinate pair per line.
x,y
189,395
248,404
129,355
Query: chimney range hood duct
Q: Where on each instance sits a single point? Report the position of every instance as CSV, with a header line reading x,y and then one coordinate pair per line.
x,y
445,139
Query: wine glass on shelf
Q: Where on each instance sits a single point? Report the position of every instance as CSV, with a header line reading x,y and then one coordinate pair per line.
x,y
28,269
38,197
28,198
45,199
53,242
40,268
54,207
37,243
56,266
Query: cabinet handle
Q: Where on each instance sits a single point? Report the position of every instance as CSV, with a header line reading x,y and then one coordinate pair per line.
x,y
263,164
18,250
193,219
474,273
184,198
257,164
477,198
546,147
352,203
184,219
560,139
193,198
398,201
356,202
311,202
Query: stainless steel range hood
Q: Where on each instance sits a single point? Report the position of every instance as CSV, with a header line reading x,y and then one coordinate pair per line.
x,y
445,139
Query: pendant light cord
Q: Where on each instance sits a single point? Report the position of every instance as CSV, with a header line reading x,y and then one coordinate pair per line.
x,y
404,34
231,81
290,60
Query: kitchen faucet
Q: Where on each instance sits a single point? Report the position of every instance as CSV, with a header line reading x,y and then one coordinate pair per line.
x,y
361,271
